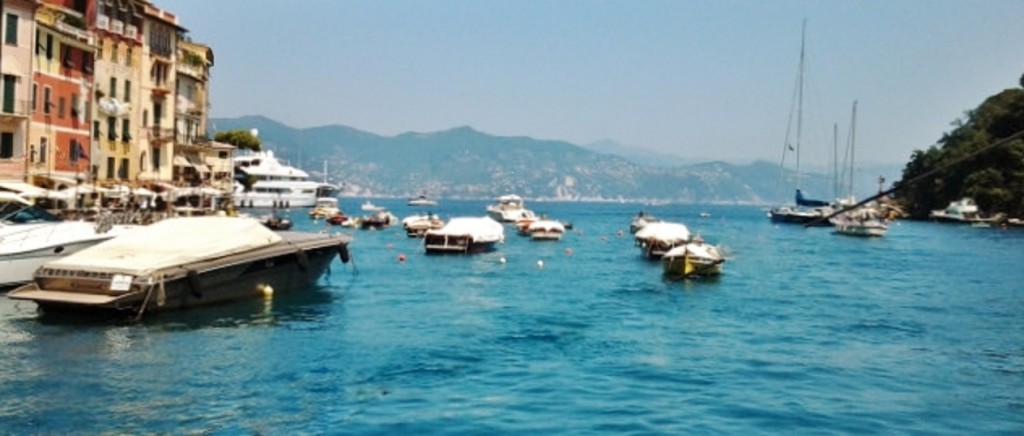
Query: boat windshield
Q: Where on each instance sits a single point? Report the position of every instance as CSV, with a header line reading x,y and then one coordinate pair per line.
x,y
15,213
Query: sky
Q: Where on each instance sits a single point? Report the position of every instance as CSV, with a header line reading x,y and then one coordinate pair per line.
x,y
699,79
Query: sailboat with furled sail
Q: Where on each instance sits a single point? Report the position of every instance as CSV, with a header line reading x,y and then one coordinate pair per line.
x,y
806,210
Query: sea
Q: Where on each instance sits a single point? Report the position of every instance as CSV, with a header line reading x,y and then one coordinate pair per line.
x,y
806,332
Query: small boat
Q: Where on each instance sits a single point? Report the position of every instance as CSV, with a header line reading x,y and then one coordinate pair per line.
x,y
153,268
464,235
370,207
324,207
30,236
546,230
340,219
657,238
640,220
417,225
509,209
963,211
860,222
381,219
275,222
692,259
421,200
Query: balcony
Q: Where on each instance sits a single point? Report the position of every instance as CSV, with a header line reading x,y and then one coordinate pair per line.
x,y
161,134
131,32
117,26
103,22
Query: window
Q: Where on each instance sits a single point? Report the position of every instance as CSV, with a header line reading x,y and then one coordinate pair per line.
x,y
113,87
47,101
128,56
110,167
125,136
122,172
111,128
60,107
43,149
6,145
49,46
74,105
74,148
127,91
113,53
156,159
10,83
96,129
11,35
35,90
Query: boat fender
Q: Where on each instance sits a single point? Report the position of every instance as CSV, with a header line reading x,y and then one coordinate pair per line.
x,y
343,253
194,287
302,260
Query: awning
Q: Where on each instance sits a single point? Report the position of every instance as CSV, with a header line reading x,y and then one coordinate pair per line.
x,y
198,163
23,188
180,161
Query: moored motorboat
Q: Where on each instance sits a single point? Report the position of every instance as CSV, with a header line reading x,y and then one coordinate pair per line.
x,y
325,207
693,259
963,211
417,225
464,235
31,236
422,200
509,209
657,238
368,206
546,230
152,268
380,219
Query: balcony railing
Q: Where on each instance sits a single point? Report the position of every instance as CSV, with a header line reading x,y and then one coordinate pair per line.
x,y
102,22
161,133
117,26
16,108
131,31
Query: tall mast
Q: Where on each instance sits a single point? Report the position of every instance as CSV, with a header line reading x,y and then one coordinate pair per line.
x,y
853,140
800,101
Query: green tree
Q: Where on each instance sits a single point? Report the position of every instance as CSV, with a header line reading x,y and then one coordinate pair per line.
x,y
995,178
242,139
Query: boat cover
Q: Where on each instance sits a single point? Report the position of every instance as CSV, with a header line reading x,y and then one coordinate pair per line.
x,y
664,231
546,225
480,229
170,242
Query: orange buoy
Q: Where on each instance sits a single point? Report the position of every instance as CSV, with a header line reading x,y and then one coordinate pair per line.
x,y
401,257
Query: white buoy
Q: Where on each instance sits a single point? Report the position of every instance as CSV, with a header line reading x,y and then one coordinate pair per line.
x,y
540,263
502,260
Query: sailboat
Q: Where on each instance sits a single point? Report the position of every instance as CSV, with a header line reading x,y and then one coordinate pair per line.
x,y
806,210
863,221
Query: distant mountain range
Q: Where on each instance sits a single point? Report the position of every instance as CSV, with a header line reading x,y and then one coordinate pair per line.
x,y
465,163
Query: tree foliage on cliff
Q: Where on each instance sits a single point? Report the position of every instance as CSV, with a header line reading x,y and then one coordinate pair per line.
x,y
239,138
995,178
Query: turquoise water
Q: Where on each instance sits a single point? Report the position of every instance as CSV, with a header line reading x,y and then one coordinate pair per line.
x,y
921,331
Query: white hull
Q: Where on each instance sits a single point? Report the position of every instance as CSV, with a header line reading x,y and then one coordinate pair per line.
x,y
861,229
17,268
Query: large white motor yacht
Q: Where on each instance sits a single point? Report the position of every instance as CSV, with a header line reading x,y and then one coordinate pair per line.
x,y
276,183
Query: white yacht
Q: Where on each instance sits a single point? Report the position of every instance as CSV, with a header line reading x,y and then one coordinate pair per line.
x,y
510,209
276,183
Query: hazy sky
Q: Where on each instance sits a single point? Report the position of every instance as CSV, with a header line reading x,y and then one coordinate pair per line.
x,y
701,79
